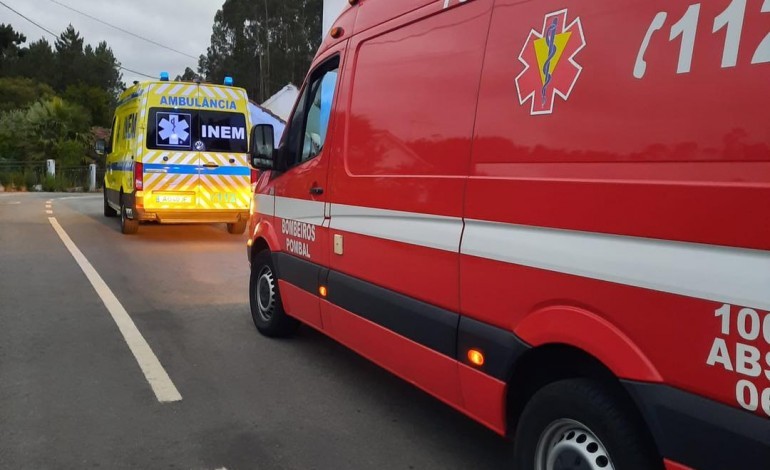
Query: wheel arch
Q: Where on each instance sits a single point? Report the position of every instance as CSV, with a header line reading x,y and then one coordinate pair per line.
x,y
591,333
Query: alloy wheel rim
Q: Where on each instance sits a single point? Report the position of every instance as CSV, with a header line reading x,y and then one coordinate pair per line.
x,y
265,293
570,445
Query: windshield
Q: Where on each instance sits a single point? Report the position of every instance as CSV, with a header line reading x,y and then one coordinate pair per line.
x,y
194,130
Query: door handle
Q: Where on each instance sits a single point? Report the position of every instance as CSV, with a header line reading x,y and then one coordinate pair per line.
x,y
316,190
211,165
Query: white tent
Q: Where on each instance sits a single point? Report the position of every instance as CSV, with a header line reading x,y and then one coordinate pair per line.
x,y
332,10
282,102
260,115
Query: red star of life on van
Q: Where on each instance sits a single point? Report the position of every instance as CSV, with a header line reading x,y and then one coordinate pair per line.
x,y
549,62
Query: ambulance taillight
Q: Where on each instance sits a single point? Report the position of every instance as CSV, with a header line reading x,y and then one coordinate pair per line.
x,y
138,176
254,176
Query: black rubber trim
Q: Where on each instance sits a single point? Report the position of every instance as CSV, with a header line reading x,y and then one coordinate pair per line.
x,y
423,323
501,348
439,329
129,199
702,433
113,196
296,271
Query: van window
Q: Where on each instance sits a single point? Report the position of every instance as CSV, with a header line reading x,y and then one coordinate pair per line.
x,y
318,114
310,122
113,135
191,129
222,131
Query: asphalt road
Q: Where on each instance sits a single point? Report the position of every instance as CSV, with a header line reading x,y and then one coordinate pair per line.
x,y
73,396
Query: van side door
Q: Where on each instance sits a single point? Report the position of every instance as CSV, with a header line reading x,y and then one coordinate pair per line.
x,y
409,92
301,193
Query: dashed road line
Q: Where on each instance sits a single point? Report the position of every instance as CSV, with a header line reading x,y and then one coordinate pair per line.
x,y
156,375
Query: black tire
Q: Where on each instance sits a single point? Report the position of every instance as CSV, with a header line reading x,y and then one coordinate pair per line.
x,y
108,210
237,228
265,299
581,420
127,226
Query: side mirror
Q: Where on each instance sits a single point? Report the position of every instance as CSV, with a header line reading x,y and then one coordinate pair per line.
x,y
261,147
100,146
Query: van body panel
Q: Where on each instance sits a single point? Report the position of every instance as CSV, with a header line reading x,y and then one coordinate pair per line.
x,y
590,176
191,141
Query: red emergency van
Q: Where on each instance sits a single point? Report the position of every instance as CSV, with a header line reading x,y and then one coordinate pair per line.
x,y
552,215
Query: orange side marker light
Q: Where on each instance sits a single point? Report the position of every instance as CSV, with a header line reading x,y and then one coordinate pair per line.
x,y
476,357
323,291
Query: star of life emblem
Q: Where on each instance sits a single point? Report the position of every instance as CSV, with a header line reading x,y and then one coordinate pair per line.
x,y
550,69
173,129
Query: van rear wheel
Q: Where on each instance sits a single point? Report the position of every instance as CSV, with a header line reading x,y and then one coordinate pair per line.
x,y
265,299
127,226
237,228
582,424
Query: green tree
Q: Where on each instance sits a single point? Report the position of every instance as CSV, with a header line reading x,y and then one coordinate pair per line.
x,y
52,122
96,101
10,40
103,69
69,58
38,62
188,75
19,92
15,135
263,44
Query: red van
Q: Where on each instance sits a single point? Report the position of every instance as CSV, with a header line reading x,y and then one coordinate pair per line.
x,y
554,216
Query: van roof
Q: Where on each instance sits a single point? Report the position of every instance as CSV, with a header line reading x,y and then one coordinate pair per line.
x,y
134,89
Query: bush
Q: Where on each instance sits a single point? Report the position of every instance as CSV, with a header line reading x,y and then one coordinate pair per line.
x,y
30,180
49,184
17,180
5,178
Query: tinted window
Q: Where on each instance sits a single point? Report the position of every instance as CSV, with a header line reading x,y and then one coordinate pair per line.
x,y
223,132
189,129
322,96
307,133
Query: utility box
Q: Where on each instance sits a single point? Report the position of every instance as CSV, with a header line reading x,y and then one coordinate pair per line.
x,y
92,177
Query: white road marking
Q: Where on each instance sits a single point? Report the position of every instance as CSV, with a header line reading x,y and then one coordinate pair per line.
x,y
49,212
156,375
12,203
76,197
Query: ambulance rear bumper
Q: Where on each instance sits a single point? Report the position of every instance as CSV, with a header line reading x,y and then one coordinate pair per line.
x,y
701,433
191,216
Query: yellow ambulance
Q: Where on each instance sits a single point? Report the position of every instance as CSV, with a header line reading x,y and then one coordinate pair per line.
x,y
179,154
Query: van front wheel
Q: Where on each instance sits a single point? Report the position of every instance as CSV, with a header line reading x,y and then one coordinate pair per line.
x,y
265,299
580,423
127,226
237,228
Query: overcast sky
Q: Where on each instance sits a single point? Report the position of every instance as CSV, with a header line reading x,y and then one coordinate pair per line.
x,y
184,25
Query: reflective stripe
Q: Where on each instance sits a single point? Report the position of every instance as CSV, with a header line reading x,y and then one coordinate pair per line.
x,y
175,169
733,275
432,231
723,274
175,90
309,212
